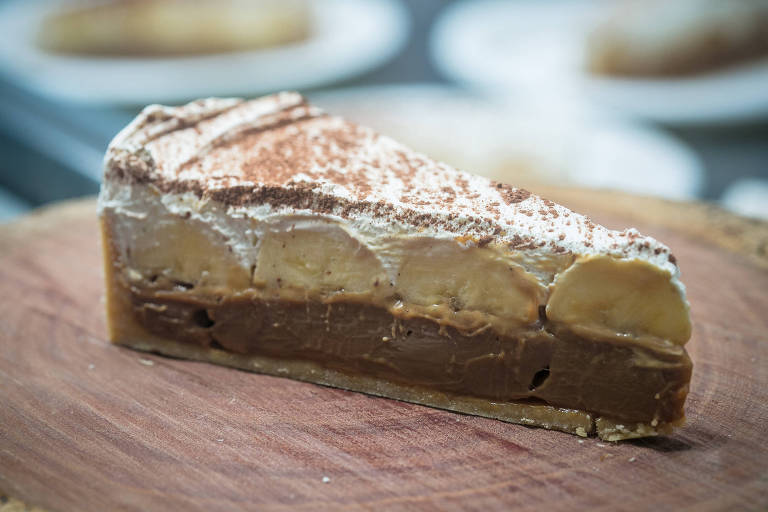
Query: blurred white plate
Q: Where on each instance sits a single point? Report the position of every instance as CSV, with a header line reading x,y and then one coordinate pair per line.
x,y
747,196
524,144
529,48
348,37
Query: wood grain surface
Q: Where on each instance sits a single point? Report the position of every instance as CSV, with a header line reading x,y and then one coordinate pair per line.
x,y
88,426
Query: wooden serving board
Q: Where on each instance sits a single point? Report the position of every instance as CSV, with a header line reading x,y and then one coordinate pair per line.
x,y
85,425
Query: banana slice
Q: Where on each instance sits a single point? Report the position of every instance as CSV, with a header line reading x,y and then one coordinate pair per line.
x,y
179,250
472,279
319,261
630,297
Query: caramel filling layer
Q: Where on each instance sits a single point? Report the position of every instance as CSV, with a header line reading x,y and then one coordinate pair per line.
x,y
621,380
470,288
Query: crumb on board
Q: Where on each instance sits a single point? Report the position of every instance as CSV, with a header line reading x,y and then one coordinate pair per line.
x,y
146,362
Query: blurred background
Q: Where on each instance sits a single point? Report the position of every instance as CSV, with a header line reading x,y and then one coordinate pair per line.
x,y
652,97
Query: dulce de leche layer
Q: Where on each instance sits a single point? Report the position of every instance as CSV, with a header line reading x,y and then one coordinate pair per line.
x,y
543,364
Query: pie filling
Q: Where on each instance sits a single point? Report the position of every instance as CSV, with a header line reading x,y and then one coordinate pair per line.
x,y
552,366
455,282
394,334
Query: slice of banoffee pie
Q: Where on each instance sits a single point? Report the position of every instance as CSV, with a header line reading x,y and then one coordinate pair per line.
x,y
269,236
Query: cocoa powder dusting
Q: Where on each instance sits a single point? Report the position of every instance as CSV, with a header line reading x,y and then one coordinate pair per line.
x,y
295,156
509,194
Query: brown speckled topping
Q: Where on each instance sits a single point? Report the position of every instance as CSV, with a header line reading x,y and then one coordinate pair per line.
x,y
282,152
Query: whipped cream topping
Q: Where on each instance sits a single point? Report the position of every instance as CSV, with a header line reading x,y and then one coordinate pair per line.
x,y
240,166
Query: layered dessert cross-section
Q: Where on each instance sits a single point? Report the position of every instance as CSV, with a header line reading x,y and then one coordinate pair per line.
x,y
269,236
